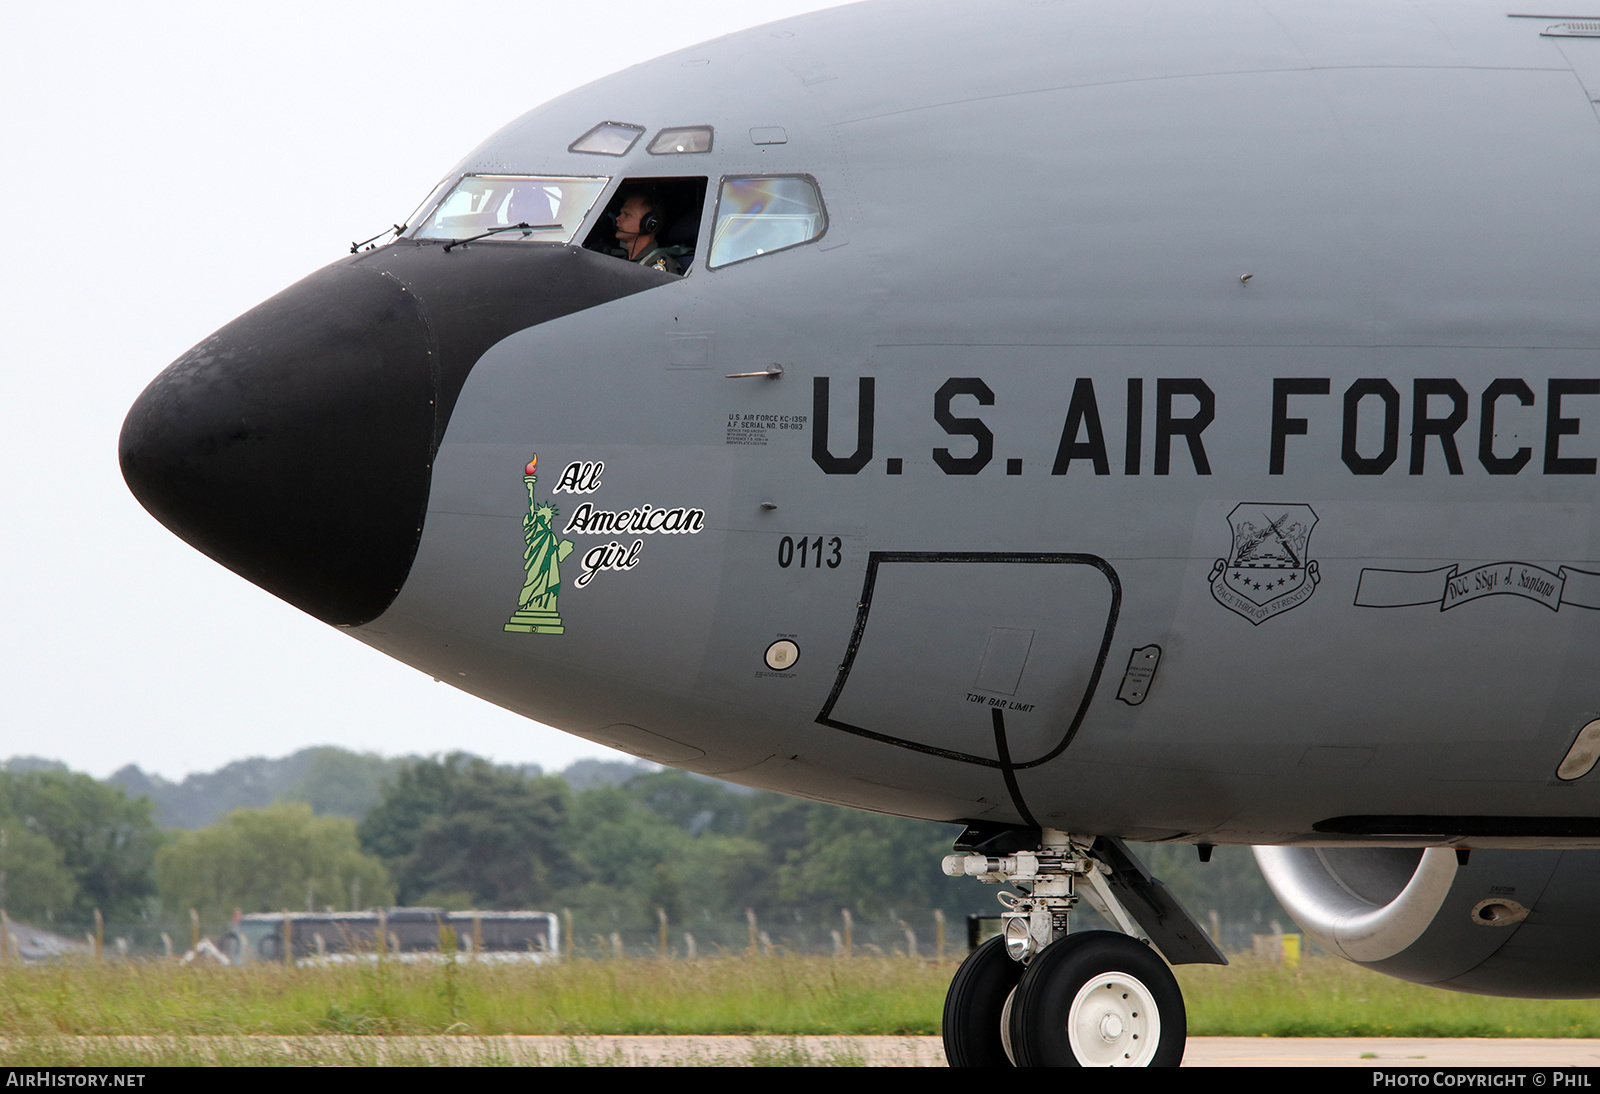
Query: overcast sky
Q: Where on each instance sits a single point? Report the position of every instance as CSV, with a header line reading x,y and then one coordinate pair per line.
x,y
166,167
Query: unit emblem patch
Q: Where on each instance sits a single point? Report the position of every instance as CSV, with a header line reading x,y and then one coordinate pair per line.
x,y
1268,571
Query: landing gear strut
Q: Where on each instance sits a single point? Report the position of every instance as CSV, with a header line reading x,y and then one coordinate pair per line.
x,y
1039,997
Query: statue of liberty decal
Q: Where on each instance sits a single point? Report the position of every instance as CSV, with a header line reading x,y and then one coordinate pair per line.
x,y
536,608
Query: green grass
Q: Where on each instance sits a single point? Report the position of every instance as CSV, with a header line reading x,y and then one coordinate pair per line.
x,y
1327,997
130,1013
770,995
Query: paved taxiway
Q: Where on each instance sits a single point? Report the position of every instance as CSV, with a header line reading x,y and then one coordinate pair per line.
x,y
1367,1052
724,1051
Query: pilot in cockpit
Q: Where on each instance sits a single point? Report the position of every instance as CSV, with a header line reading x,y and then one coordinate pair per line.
x,y
640,218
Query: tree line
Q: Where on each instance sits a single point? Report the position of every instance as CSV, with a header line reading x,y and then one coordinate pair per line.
x,y
457,832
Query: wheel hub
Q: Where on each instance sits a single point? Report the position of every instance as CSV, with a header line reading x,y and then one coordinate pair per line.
x,y
1113,1022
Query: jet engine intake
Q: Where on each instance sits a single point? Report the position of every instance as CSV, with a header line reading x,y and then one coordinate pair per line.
x,y
1514,923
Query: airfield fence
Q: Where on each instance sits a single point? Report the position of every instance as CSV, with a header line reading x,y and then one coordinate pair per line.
x,y
600,937
593,938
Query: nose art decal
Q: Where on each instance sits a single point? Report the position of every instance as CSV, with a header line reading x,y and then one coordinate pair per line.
x,y
536,608
544,550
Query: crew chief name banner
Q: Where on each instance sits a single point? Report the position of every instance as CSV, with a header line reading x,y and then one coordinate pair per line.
x,y
1450,586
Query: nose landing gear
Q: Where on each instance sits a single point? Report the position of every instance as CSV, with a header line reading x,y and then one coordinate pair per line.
x,y
1037,996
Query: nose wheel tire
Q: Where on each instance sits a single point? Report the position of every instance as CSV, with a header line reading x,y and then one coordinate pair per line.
x,y
975,1005
1097,999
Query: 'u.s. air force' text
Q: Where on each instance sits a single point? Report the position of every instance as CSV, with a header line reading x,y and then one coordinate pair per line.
x,y
1451,428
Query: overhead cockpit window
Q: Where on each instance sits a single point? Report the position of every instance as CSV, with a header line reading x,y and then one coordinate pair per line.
x,y
756,216
673,142
536,208
608,139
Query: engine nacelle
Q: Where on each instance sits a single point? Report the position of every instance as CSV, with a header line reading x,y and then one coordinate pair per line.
x,y
1518,923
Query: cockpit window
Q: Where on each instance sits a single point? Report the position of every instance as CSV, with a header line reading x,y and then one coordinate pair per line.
x,y
649,217
429,202
674,142
608,139
551,208
756,216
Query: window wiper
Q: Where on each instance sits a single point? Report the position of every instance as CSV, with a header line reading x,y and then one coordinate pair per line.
x,y
397,229
507,228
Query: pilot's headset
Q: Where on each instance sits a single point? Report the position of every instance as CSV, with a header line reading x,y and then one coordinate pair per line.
x,y
650,223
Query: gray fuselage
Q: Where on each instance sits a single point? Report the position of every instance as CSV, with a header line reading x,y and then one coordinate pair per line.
x,y
1259,342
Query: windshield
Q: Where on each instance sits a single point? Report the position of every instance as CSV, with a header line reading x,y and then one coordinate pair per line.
x,y
553,208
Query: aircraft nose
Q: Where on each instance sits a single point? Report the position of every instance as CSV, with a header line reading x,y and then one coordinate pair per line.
x,y
294,445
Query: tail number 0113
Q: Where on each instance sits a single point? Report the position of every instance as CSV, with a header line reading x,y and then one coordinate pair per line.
x,y
808,552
